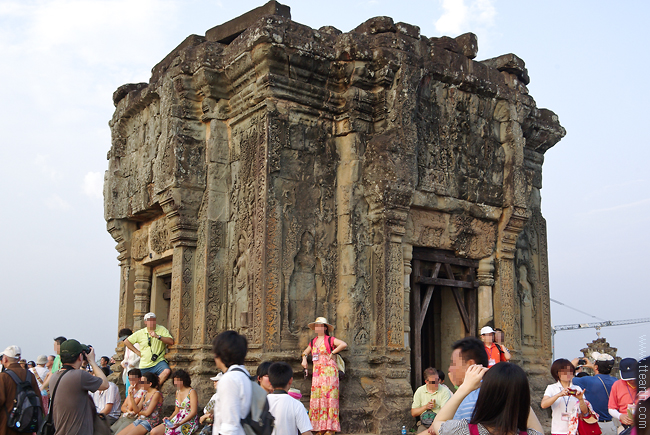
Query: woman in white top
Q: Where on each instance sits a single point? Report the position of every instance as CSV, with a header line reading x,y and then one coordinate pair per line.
x,y
131,359
565,399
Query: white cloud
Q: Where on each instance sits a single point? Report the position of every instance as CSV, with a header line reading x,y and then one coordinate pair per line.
x,y
619,207
93,185
55,202
44,166
460,16
454,17
484,10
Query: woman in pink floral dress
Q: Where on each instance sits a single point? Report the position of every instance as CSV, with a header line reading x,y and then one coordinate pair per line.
x,y
324,402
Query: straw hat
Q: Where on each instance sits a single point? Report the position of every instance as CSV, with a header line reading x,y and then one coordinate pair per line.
x,y
321,321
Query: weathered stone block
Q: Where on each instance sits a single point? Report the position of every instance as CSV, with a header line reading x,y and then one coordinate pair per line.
x,y
468,43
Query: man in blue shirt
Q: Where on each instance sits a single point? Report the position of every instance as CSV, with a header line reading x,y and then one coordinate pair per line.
x,y
466,352
598,388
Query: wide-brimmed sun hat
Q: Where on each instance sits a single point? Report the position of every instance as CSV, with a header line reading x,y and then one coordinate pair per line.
x,y
321,321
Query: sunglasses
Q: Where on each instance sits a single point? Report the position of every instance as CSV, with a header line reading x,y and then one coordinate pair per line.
x,y
432,382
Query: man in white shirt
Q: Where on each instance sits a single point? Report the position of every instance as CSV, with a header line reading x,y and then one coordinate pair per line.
x,y
290,415
108,402
233,401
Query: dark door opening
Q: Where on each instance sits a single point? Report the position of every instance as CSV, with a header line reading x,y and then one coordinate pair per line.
x,y
436,277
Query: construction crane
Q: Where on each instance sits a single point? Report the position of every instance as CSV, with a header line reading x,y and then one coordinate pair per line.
x,y
596,325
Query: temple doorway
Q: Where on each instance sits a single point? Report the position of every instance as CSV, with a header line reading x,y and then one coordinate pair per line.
x,y
443,307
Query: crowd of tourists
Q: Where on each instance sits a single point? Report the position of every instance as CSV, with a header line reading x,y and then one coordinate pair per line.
x,y
493,395
69,392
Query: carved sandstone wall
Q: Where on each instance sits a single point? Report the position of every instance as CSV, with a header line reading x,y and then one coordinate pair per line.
x,y
270,173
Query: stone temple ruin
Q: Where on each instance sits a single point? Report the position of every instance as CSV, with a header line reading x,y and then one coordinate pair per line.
x,y
270,173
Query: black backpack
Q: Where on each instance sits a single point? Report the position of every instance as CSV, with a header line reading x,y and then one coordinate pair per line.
x,y
259,420
27,414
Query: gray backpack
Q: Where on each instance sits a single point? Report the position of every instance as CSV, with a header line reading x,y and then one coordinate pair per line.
x,y
259,420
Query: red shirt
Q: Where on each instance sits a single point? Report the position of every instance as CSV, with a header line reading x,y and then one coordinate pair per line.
x,y
494,355
621,396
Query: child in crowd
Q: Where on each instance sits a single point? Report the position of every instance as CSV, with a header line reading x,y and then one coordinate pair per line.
x,y
290,415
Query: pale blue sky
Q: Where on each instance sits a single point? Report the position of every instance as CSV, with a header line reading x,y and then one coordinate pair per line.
x,y
62,60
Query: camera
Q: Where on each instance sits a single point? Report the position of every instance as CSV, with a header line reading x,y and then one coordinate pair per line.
x,y
85,349
154,357
582,362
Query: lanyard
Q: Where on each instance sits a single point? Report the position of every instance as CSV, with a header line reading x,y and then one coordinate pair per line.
x,y
629,392
566,404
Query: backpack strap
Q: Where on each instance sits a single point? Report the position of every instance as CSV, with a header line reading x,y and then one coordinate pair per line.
x,y
604,386
15,377
330,339
38,378
251,377
473,429
50,411
19,384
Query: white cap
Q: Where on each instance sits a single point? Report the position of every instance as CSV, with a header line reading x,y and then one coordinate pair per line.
x,y
149,316
597,356
487,330
12,351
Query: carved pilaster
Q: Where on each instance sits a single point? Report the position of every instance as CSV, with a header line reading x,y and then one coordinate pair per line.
x,y
388,272
395,278
407,256
511,224
273,281
180,208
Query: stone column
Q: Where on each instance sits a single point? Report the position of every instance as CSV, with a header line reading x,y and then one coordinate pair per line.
x,y
485,276
121,230
142,295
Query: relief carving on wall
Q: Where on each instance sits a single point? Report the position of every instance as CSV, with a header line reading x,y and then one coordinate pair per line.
x,y
302,286
159,236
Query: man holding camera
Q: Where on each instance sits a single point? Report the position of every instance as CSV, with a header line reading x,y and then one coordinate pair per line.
x,y
71,407
153,340
598,387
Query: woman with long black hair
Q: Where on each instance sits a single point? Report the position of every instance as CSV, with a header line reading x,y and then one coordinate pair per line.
x,y
502,407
